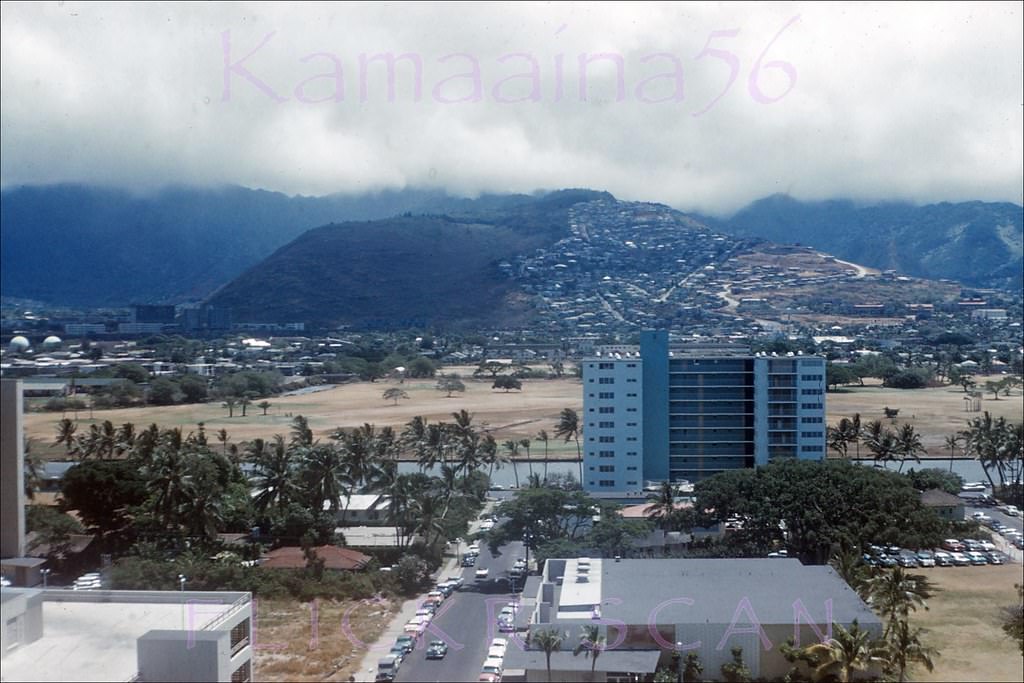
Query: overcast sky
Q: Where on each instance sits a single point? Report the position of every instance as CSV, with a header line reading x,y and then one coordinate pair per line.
x,y
918,102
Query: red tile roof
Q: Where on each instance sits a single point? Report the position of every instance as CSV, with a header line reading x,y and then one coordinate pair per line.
x,y
291,557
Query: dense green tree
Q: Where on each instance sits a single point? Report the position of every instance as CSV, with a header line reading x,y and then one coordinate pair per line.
x,y
450,384
164,392
507,383
420,367
932,478
394,394
193,389
103,492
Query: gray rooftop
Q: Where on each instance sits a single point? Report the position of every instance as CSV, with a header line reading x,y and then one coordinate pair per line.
x,y
632,588
609,660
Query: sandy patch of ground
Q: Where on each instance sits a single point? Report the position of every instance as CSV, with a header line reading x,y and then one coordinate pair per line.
x,y
963,623
321,641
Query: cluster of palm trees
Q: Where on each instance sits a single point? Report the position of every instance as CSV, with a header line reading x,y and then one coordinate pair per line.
x,y
886,445
894,594
998,445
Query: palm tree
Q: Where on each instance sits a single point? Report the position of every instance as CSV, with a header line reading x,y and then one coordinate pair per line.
x,y
549,641
855,433
302,435
884,447
66,435
428,510
895,593
851,568
275,476
568,427
494,458
244,403
836,438
953,442
230,402
525,443
513,450
34,470
906,648
264,405
662,505
170,478
542,436
323,471
591,643
908,444
125,438
222,436
845,653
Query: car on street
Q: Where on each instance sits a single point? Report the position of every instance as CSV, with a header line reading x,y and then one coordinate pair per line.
x,y
489,678
468,561
481,573
437,649
496,652
399,652
491,666
426,612
407,643
498,644
486,525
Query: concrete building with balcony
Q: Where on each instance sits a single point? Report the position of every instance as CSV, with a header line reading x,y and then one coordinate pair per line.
x,y
688,413
63,635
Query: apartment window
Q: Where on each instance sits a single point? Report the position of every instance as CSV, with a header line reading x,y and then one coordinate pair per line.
x,y
812,420
606,482
240,635
606,380
606,394
811,406
606,468
631,469
631,453
631,483
607,410
630,365
606,425
605,366
811,392
242,674
811,435
631,379
630,438
630,395
631,424
606,454
811,378
606,439
810,449
630,410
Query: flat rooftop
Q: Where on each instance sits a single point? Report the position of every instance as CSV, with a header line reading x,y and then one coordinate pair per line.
x,y
631,588
93,637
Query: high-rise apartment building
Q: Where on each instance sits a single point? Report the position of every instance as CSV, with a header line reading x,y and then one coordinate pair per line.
x,y
690,412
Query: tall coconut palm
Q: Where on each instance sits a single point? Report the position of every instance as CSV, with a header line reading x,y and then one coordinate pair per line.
x,y
302,435
525,443
845,653
170,478
542,436
906,648
591,644
494,458
895,593
884,448
548,640
66,435
428,511
662,505
323,471
851,568
953,442
512,447
274,470
125,439
414,439
908,444
568,427
836,439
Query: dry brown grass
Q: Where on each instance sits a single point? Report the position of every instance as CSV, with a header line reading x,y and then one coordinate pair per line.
x,y
512,415
935,413
963,623
289,648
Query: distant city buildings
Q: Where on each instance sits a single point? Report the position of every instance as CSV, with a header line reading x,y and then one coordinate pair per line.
x,y
685,414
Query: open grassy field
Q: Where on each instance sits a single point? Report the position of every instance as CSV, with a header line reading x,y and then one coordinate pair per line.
x,y
299,642
512,415
936,413
963,623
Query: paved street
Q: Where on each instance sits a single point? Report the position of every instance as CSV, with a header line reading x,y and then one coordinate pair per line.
x,y
466,621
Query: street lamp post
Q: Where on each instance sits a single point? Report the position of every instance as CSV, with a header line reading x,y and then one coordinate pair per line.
x,y
46,575
181,582
679,661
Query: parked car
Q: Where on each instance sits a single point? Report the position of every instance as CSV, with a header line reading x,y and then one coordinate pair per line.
x,y
943,559
977,558
481,573
399,652
489,678
925,558
457,581
960,560
437,649
496,652
499,644
953,545
994,558
468,561
408,643
387,667
887,561
491,666
907,561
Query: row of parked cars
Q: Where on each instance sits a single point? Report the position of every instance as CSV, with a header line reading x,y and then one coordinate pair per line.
x,y
494,664
953,553
1012,536
413,630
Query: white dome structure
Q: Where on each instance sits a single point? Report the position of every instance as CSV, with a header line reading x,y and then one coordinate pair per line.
x,y
19,343
52,341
